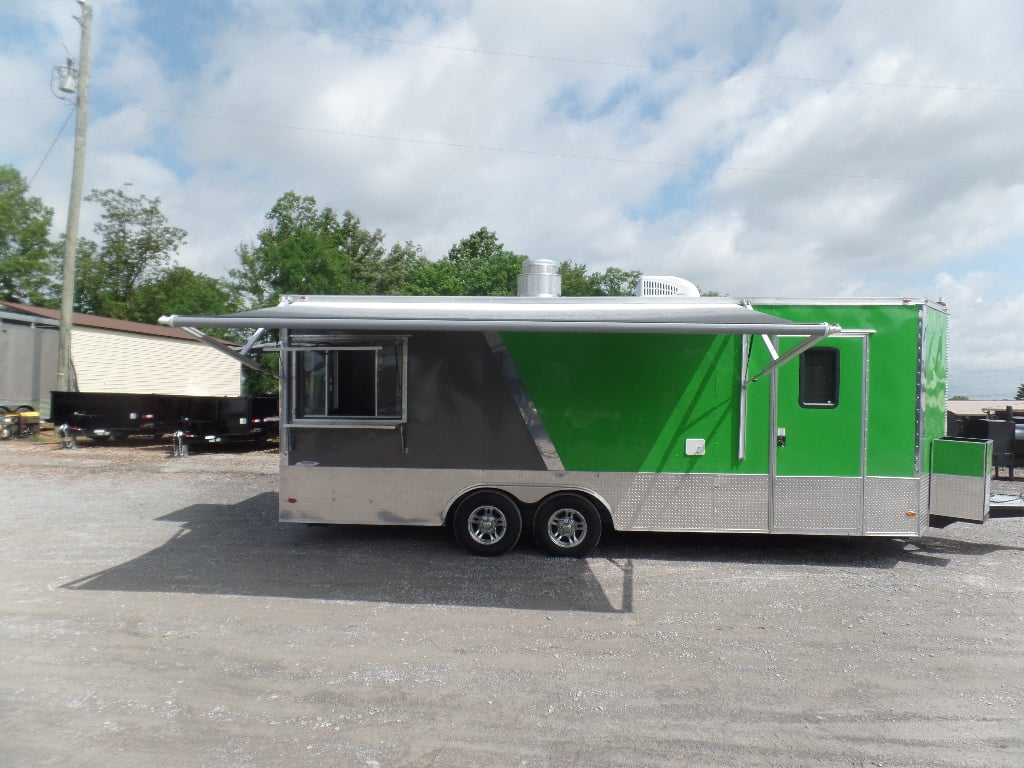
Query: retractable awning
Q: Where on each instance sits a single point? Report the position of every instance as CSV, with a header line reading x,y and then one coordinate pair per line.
x,y
627,314
506,313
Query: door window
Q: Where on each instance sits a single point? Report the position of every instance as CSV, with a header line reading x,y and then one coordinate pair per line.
x,y
819,378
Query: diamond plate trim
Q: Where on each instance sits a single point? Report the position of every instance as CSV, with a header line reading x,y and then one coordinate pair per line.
x,y
887,500
637,502
817,504
960,497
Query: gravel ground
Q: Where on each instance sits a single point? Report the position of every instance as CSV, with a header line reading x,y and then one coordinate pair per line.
x,y
152,612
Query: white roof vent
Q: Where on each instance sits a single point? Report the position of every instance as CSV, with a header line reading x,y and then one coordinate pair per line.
x,y
665,285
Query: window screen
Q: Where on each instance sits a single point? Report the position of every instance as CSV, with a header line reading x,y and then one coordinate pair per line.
x,y
819,378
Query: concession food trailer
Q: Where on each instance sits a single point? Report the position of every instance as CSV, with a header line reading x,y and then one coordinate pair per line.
x,y
564,417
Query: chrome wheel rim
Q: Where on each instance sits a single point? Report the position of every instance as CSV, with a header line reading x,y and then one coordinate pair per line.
x,y
567,528
487,525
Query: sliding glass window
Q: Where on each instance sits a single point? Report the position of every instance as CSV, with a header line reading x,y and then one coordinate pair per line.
x,y
356,383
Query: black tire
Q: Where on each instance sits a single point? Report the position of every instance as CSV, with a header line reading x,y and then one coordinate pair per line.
x,y
567,525
487,523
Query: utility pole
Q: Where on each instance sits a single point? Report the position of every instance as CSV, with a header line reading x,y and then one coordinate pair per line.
x,y
67,303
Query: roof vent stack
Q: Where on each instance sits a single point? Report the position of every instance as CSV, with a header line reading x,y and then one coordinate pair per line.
x,y
539,279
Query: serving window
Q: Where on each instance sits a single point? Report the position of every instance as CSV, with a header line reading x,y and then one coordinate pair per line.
x,y
346,381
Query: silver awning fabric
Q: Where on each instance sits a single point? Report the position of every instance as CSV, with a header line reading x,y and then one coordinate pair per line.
x,y
463,313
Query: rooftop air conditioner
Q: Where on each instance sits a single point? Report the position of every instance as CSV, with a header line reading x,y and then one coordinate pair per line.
x,y
665,285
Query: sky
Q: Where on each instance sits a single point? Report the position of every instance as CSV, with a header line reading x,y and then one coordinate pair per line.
x,y
797,148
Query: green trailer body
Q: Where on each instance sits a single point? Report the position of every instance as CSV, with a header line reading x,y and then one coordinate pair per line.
x,y
603,416
568,416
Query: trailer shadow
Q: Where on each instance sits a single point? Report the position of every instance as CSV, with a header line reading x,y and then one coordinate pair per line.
x,y
241,549
793,550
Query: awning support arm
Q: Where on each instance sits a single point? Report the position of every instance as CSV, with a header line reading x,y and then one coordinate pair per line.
x,y
252,341
221,347
779,360
744,367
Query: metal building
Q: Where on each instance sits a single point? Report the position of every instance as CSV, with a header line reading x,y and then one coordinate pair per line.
x,y
108,355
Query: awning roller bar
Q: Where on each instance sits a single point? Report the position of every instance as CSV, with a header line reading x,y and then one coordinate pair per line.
x,y
817,330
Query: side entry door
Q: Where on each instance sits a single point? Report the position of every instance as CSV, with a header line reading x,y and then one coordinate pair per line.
x,y
819,437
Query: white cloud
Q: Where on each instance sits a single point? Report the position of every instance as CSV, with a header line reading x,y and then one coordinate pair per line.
x,y
985,335
789,148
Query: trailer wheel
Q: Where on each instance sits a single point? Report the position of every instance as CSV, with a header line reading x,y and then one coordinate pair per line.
x,y
567,525
487,523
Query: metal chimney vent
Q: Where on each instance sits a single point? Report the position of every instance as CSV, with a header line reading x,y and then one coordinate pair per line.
x,y
539,279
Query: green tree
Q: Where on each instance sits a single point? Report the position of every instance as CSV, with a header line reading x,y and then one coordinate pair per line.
x,y
393,272
1020,393
424,277
178,290
617,282
577,281
136,248
482,266
306,249
30,263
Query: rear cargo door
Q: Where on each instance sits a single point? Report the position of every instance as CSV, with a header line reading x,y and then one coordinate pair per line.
x,y
818,437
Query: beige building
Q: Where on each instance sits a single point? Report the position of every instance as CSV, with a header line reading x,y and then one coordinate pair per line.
x,y
107,356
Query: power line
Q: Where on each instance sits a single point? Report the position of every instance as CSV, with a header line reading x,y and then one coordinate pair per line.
x,y
512,150
703,71
55,140
708,72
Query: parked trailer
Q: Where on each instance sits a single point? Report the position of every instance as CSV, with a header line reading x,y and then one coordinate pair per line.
x,y
224,420
565,416
193,419
103,416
